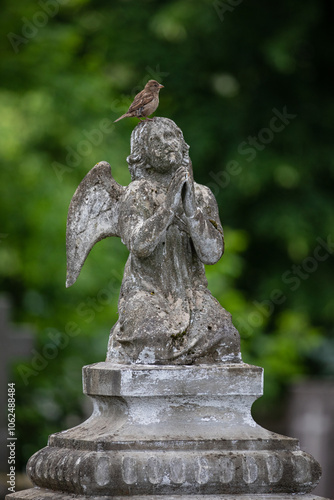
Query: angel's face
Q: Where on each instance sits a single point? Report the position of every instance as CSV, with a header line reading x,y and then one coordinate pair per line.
x,y
165,152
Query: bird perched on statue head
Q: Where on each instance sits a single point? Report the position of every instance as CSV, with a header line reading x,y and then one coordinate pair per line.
x,y
146,102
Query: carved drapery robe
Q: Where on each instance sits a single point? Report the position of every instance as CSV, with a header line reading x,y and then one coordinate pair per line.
x,y
165,278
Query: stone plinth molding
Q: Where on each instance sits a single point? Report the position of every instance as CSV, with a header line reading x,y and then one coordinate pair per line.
x,y
159,431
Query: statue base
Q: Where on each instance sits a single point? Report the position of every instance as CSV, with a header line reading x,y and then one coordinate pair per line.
x,y
42,494
170,431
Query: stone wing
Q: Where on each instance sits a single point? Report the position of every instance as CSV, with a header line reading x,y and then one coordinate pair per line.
x,y
92,216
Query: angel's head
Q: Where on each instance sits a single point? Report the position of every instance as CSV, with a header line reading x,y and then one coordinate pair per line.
x,y
156,145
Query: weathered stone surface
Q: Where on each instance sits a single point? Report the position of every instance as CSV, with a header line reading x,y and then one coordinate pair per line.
x,y
92,216
171,226
164,430
166,472
42,494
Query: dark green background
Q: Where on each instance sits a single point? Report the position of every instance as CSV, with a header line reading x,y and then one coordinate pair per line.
x,y
68,69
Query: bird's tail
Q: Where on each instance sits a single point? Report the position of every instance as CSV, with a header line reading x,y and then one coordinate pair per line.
x,y
123,116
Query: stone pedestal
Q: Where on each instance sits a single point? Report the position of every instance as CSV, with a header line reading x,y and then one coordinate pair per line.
x,y
171,431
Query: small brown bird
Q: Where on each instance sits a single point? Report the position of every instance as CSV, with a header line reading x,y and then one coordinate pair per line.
x,y
145,103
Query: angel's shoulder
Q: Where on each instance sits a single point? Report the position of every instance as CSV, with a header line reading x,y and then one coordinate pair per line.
x,y
136,190
138,187
204,193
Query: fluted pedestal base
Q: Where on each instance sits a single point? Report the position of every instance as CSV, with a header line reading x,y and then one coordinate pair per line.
x,y
41,494
171,431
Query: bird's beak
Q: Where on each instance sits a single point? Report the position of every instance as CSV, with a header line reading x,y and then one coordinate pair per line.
x,y
161,86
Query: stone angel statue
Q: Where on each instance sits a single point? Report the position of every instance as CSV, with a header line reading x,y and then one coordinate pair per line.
x,y
171,227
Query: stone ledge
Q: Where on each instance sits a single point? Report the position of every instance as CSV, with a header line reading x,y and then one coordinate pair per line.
x,y
110,379
42,494
275,443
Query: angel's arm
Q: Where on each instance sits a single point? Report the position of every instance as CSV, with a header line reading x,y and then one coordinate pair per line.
x,y
141,231
204,224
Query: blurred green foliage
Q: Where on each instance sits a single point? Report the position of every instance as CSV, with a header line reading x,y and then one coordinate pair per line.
x,y
68,69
